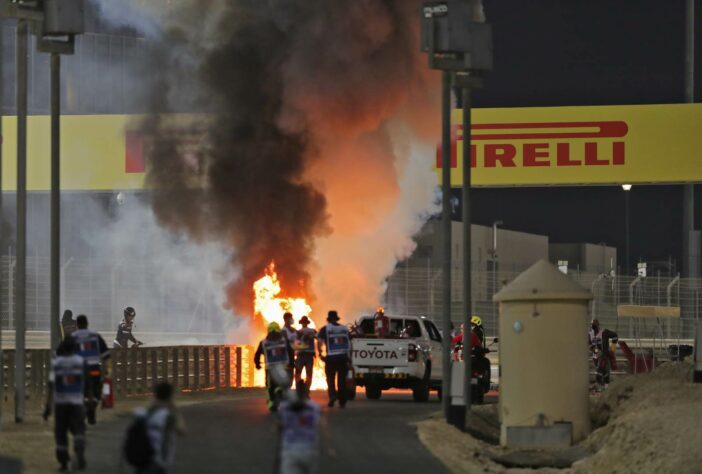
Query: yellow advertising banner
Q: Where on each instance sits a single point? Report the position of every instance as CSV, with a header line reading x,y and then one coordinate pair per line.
x,y
98,153
604,145
580,145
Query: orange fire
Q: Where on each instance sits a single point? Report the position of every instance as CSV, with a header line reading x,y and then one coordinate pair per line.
x,y
270,307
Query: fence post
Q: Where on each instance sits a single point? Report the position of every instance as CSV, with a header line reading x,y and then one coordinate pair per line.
x,y
124,371
207,367
35,372
154,367
10,358
47,368
175,371
227,367
196,367
186,367
10,293
217,366
116,360
143,372
162,365
134,372
238,367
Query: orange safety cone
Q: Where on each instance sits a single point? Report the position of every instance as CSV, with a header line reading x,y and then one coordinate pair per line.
x,y
108,397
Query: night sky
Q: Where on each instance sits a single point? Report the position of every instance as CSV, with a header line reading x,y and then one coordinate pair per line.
x,y
589,52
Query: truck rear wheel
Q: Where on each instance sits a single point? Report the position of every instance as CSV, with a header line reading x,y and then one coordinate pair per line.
x,y
373,392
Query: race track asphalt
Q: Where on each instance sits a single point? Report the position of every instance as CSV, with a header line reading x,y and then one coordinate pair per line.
x,y
238,435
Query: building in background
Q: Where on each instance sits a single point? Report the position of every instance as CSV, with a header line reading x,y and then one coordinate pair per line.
x,y
584,257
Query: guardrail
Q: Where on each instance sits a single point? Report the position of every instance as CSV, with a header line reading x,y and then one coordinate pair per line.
x,y
135,371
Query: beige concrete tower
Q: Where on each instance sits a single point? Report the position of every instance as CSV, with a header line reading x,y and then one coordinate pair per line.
x,y
544,387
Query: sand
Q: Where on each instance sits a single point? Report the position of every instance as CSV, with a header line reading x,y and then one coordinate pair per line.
x,y
644,423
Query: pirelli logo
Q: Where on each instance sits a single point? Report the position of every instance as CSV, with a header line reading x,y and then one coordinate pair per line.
x,y
542,144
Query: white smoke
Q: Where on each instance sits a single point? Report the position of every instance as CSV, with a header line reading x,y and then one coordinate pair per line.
x,y
176,285
354,262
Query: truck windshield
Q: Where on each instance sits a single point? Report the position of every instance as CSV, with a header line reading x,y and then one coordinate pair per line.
x,y
398,327
411,329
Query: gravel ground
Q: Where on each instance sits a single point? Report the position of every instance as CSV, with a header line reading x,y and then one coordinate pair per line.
x,y
644,424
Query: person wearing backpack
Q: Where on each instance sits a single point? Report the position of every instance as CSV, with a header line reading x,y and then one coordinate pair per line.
x,y
299,425
150,443
66,386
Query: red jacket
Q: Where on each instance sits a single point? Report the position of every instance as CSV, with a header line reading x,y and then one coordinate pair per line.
x,y
474,340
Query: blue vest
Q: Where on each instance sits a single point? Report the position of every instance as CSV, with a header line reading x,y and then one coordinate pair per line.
x,y
276,352
337,340
88,345
68,377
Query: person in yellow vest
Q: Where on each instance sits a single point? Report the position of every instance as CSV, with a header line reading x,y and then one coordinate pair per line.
x,y
278,354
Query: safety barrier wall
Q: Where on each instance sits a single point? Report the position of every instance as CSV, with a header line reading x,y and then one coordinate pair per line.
x,y
135,371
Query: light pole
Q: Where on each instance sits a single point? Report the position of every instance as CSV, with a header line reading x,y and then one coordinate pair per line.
x,y
459,43
55,22
691,238
493,253
626,188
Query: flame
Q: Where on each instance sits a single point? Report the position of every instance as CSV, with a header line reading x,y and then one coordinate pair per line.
x,y
270,307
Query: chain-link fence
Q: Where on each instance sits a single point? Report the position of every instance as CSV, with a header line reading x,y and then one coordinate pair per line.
x,y
100,77
418,290
101,288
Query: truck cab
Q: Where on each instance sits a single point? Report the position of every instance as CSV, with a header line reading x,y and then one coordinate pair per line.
x,y
408,356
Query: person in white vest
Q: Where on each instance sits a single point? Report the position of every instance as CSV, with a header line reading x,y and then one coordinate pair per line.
x,y
65,398
92,347
278,354
335,339
299,422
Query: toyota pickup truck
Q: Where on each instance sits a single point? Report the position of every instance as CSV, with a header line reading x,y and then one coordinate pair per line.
x,y
408,357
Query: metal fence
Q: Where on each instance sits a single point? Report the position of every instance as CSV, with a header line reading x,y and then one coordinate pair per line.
x,y
418,290
135,371
101,288
99,78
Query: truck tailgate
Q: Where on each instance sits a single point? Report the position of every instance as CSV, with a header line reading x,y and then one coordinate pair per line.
x,y
379,352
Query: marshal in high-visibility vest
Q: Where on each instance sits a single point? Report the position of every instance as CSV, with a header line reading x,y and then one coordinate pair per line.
x,y
276,352
337,340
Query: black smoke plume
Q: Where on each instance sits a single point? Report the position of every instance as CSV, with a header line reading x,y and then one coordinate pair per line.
x,y
276,84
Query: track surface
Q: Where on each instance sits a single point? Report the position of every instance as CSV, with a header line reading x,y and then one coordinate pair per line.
x,y
238,435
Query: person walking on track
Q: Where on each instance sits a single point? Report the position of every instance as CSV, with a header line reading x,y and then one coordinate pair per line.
x,y
305,350
335,339
67,380
91,347
278,355
299,423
